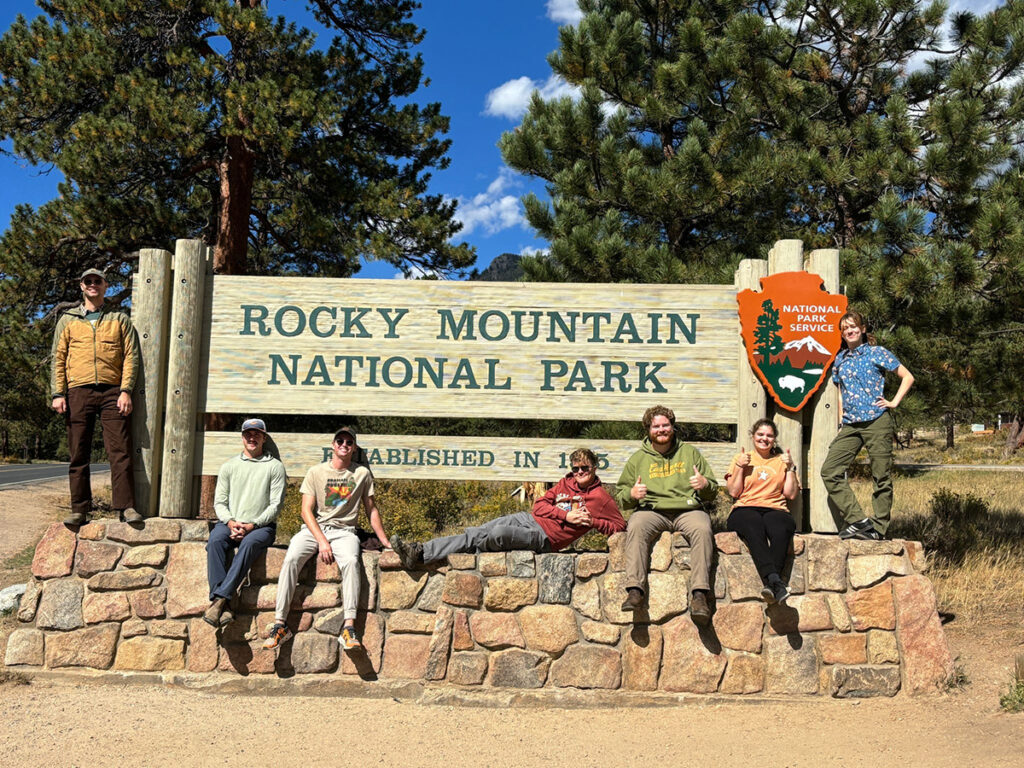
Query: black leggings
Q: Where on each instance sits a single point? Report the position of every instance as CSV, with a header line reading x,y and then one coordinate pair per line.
x,y
767,533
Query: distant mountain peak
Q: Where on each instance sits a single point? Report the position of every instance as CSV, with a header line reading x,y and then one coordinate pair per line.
x,y
807,343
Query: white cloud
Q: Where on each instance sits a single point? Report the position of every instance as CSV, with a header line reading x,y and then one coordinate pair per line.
x,y
564,11
510,99
492,210
529,250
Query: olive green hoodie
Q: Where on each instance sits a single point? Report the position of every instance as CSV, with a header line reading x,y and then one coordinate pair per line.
x,y
667,479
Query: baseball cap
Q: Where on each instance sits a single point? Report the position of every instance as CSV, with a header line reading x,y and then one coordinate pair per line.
x,y
95,272
346,431
254,424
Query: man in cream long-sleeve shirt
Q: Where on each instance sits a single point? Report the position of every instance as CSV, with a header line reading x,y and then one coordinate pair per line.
x,y
250,489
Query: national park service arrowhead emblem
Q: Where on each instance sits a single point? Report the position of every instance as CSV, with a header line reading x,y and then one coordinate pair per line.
x,y
791,331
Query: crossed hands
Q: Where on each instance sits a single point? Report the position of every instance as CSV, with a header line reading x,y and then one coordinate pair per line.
x,y
578,516
238,530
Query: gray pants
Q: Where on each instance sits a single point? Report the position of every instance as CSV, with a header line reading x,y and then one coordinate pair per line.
x,y
344,545
502,534
646,525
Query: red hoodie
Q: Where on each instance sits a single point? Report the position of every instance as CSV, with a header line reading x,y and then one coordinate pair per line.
x,y
550,509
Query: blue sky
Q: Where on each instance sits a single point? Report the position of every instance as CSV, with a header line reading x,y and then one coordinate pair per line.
x,y
483,60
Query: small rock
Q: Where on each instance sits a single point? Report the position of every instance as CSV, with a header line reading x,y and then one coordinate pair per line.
x,y
467,668
90,647
24,647
153,555
492,564
462,561
462,588
496,630
518,669
10,597
154,530
549,628
508,594
94,557
587,666
405,656
863,681
55,553
313,652
522,565
590,564
399,589
119,581
61,605
599,632
641,658
555,575
150,654
410,622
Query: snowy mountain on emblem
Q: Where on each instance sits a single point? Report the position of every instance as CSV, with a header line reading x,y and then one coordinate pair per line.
x,y
806,344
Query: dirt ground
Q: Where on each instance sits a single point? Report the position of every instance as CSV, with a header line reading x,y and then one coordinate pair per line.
x,y
68,723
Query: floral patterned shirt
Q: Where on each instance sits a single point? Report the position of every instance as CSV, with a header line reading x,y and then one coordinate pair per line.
x,y
860,374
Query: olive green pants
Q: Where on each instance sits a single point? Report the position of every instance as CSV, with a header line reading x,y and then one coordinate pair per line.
x,y
877,437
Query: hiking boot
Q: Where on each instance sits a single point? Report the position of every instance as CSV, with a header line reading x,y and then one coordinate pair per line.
x,y
634,600
76,519
780,593
700,612
851,531
215,611
279,633
226,617
130,515
349,638
768,594
410,553
869,535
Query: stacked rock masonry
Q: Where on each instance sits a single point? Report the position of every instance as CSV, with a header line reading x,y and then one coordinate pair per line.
x,y
862,620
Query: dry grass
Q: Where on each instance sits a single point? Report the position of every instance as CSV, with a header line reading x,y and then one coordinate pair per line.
x,y
967,448
986,584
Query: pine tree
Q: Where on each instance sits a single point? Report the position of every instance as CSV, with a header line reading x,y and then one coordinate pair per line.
x,y
212,119
658,172
766,334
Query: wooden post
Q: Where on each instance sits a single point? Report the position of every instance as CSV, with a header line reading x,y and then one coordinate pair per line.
x,y
182,376
824,408
151,305
752,397
788,256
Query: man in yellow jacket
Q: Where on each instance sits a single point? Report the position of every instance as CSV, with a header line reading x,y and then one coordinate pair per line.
x,y
95,364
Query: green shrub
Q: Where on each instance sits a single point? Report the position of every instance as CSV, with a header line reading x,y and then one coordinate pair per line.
x,y
1013,699
953,531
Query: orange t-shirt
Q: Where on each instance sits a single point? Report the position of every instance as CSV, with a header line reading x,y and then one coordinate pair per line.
x,y
762,482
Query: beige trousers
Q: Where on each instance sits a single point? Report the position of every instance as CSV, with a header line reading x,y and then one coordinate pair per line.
x,y
646,525
344,545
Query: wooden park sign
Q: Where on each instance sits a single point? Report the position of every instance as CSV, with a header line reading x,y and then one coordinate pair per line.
x,y
260,346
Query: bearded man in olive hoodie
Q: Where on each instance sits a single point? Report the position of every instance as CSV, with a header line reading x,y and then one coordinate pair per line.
x,y
666,484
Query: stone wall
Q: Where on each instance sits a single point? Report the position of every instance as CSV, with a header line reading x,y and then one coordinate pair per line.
x,y
862,620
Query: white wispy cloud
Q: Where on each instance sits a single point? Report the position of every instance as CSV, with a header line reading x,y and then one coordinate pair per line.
x,y
529,250
511,98
564,11
494,209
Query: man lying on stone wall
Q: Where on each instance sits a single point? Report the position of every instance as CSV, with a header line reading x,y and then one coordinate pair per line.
x,y
573,507
667,483
331,495
250,489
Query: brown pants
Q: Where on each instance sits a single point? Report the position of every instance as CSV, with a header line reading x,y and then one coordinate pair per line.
x,y
84,404
646,525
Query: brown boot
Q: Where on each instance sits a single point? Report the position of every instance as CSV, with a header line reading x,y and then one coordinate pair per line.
x,y
634,600
214,612
700,612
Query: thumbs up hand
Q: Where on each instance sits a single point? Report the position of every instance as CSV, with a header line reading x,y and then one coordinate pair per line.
x,y
788,460
744,459
639,490
697,481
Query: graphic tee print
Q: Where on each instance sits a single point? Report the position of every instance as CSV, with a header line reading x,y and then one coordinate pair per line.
x,y
338,493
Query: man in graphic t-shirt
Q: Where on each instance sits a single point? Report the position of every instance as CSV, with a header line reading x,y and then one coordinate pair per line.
x,y
331,495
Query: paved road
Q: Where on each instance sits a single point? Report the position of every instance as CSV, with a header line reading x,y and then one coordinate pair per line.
x,y
25,474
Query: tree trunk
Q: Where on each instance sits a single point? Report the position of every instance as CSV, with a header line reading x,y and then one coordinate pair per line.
x,y
949,430
1013,435
230,256
236,180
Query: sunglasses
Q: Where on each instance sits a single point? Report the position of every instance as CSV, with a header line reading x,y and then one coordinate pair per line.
x,y
92,281
582,468
346,441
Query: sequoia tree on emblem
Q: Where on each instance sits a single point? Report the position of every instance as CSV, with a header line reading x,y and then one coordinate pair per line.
x,y
791,332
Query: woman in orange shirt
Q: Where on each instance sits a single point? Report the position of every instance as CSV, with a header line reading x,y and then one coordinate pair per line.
x,y
762,482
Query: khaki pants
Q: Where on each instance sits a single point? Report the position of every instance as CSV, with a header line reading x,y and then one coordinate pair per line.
x,y
646,525
346,549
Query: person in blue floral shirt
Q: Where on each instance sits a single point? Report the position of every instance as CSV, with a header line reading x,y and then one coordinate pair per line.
x,y
859,371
